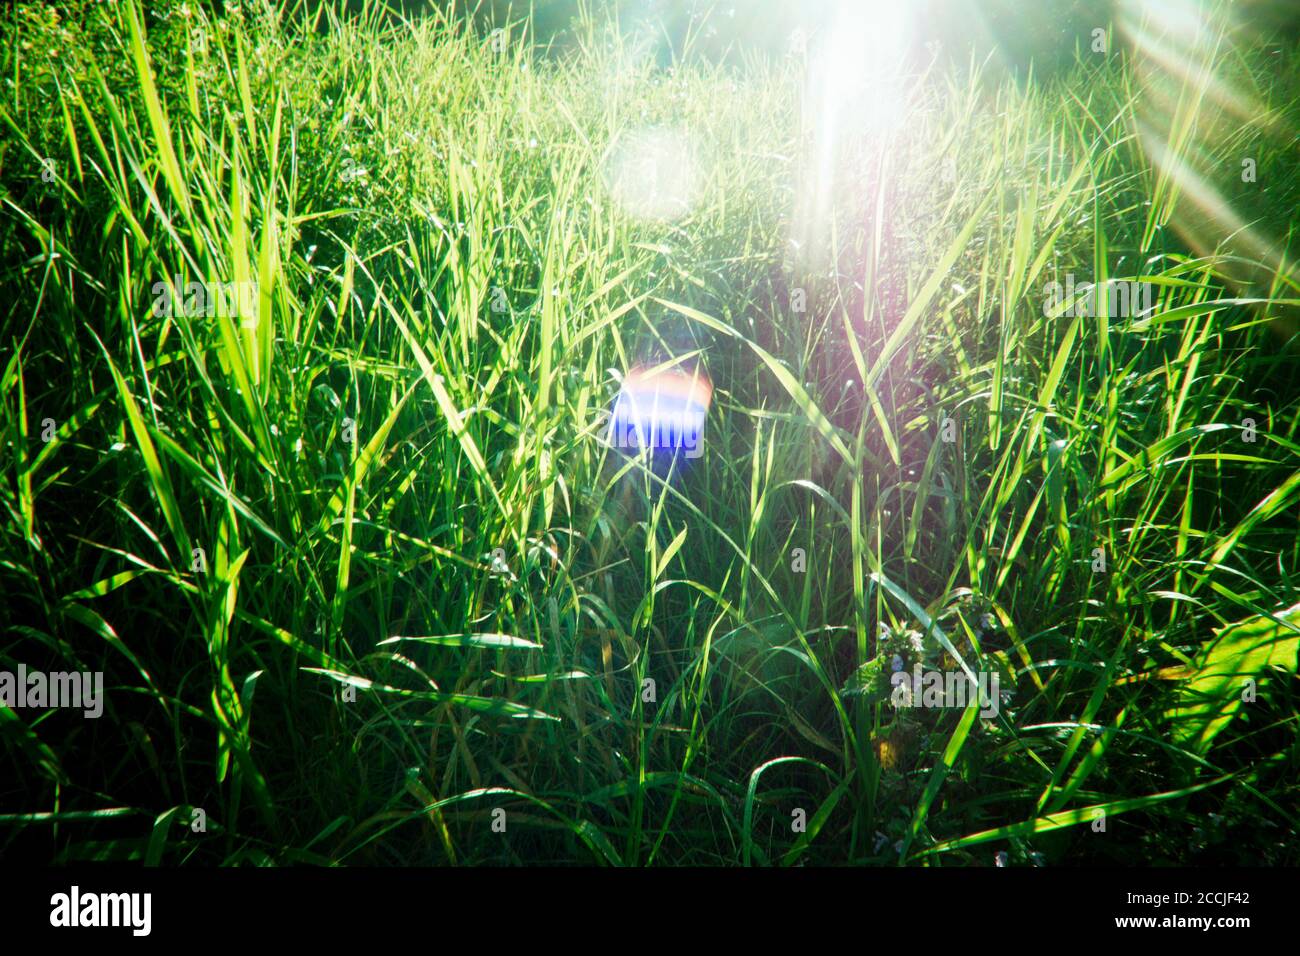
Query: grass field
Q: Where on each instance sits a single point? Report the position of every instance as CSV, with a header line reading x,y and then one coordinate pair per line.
x,y
367,584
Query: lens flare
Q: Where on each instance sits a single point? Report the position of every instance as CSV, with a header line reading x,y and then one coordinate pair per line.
x,y
855,99
661,410
1192,98
652,174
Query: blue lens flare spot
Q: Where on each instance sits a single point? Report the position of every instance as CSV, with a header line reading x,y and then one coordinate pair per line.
x,y
661,409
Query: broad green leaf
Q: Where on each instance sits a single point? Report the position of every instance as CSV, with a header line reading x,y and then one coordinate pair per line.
x,y
1209,700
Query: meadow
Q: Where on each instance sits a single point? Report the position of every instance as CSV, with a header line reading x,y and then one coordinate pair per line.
x,y
312,321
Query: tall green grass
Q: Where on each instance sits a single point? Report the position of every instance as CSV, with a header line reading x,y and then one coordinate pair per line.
x,y
360,570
